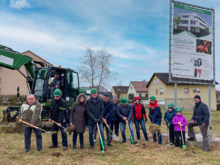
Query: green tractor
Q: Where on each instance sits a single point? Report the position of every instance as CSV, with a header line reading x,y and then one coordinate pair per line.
x,y
39,78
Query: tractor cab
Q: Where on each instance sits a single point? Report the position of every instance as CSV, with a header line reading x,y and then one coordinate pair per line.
x,y
48,79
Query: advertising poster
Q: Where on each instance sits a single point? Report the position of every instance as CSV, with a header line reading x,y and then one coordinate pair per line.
x,y
192,42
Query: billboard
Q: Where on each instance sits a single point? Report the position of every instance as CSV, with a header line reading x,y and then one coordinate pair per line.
x,y
192,40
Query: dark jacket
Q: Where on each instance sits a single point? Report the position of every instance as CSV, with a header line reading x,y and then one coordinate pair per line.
x,y
59,110
155,114
108,108
125,112
143,112
95,110
201,113
113,113
78,116
168,117
31,113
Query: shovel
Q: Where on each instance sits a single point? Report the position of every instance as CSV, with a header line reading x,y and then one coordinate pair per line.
x,y
114,137
103,148
58,125
183,144
33,126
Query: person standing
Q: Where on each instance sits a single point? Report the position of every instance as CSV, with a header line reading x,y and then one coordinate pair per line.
x,y
179,122
31,112
125,113
95,111
168,117
108,105
114,116
155,116
140,117
200,118
78,119
58,114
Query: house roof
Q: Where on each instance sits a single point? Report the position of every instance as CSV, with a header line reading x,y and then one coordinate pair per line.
x,y
28,51
140,86
164,77
122,89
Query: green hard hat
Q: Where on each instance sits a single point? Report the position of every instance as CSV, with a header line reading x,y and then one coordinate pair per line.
x,y
93,90
124,100
179,109
152,98
57,92
170,105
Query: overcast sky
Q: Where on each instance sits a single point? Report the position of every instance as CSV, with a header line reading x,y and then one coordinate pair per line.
x,y
135,32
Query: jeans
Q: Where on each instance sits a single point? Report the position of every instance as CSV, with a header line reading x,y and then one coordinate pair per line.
x,y
27,138
179,140
116,126
123,126
91,129
63,134
75,134
204,131
137,127
108,135
172,134
155,135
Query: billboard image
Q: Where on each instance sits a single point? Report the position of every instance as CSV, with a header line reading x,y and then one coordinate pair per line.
x,y
192,42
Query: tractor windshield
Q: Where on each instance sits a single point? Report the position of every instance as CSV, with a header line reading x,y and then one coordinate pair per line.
x,y
40,80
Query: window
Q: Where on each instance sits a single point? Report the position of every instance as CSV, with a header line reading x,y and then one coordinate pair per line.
x,y
186,90
198,90
147,96
156,91
161,91
194,90
157,81
154,81
131,87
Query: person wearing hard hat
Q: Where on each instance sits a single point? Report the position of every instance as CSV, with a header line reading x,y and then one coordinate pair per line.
x,y
125,113
155,116
58,114
95,111
140,117
168,117
179,122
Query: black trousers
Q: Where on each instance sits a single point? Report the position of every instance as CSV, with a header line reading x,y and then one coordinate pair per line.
x,y
172,134
179,140
116,126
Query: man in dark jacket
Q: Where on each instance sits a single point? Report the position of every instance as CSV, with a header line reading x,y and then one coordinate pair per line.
x,y
125,113
168,117
108,105
114,116
140,117
31,112
58,114
155,116
95,111
200,118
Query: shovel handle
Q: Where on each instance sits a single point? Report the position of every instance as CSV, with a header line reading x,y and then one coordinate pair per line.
x,y
108,127
31,125
100,137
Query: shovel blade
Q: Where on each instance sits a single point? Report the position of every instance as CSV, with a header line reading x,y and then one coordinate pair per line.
x,y
116,138
184,147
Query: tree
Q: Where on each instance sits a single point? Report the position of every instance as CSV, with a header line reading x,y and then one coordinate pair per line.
x,y
95,68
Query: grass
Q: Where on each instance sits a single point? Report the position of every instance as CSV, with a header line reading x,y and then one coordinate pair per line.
x,y
12,151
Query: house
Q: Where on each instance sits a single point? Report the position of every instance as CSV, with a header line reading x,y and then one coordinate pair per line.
x,y
138,88
160,86
12,80
119,91
218,97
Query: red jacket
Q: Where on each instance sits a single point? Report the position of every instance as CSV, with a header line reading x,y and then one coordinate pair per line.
x,y
139,112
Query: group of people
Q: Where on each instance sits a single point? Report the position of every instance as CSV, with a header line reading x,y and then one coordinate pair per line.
x,y
99,114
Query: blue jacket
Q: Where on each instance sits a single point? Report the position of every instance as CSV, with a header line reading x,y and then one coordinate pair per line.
x,y
108,108
155,115
58,112
125,112
113,113
168,117
201,113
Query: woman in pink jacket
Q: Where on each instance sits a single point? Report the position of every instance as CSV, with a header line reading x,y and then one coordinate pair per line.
x,y
179,122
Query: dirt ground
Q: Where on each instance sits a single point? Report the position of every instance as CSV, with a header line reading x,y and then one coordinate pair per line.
x,y
12,150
